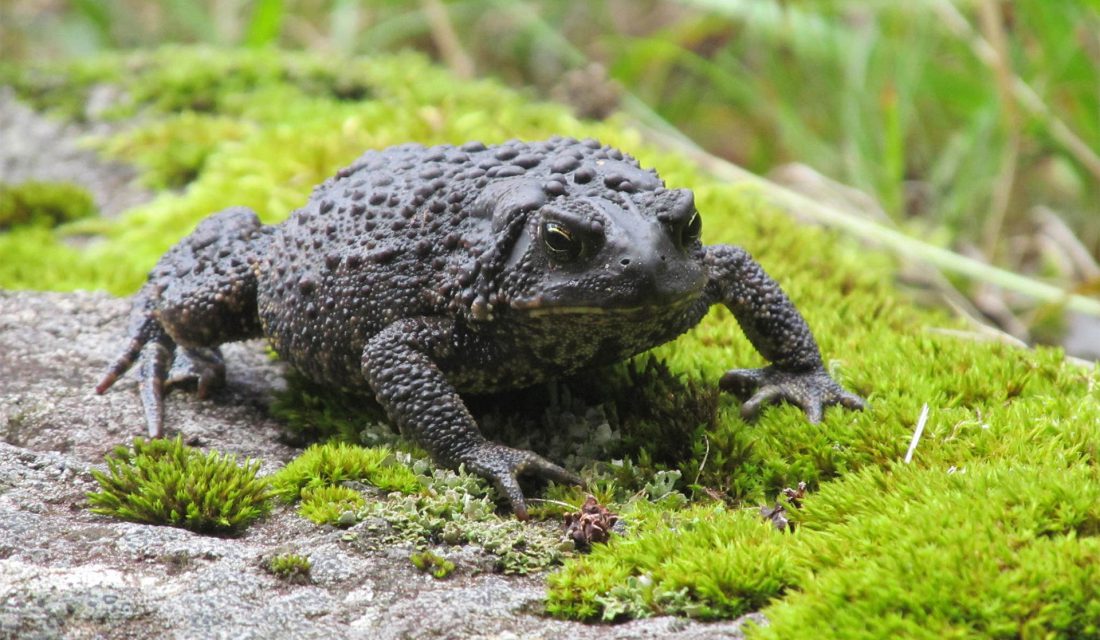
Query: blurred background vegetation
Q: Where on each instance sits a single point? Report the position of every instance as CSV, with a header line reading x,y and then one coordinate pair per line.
x,y
972,125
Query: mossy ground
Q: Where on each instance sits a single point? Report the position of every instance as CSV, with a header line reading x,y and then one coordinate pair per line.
x,y
990,531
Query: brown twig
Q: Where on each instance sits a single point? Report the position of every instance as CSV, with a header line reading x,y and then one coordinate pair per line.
x,y
1001,197
446,39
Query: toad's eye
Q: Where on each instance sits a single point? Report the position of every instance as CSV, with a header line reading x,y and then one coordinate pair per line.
x,y
689,233
560,241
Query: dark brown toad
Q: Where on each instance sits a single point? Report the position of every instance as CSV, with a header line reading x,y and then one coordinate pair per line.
x,y
422,273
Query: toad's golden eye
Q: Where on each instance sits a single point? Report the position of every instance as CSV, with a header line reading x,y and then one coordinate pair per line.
x,y
689,234
560,241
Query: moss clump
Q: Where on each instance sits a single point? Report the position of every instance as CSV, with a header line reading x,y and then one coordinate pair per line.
x,y
325,465
172,151
167,482
290,567
43,204
423,505
434,565
659,568
333,505
970,549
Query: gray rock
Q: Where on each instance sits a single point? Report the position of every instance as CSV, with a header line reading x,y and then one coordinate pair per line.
x,y
38,147
66,572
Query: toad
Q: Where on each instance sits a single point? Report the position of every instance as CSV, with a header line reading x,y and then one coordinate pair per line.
x,y
422,273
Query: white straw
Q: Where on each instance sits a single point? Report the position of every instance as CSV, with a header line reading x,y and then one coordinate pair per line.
x,y
916,433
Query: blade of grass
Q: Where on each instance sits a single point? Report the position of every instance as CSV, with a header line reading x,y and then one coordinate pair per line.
x,y
345,23
990,13
95,14
265,24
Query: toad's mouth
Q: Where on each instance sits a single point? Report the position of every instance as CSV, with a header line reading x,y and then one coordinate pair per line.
x,y
539,307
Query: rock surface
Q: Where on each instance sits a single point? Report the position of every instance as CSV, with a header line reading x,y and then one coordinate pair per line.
x,y
40,148
66,572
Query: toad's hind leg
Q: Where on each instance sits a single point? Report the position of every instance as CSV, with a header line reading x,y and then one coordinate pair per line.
x,y
201,294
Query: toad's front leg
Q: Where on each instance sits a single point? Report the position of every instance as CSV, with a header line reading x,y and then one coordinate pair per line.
x,y
400,364
778,331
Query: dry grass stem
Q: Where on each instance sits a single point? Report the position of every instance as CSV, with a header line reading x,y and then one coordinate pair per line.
x,y
917,434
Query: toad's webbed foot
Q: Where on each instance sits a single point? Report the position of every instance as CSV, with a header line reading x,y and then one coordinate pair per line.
x,y
162,366
150,346
812,390
200,368
502,465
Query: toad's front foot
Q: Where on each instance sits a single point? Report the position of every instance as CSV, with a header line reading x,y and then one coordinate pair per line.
x,y
812,390
163,366
502,465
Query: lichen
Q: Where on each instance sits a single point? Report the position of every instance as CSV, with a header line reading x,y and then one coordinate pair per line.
x,y
456,508
421,504
166,482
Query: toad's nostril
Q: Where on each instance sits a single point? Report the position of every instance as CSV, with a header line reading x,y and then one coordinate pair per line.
x,y
662,258
624,261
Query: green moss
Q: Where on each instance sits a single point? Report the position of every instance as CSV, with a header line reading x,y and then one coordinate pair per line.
x,y
167,482
335,505
43,204
325,465
989,482
422,505
435,565
659,569
248,109
290,567
989,550
176,79
171,151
